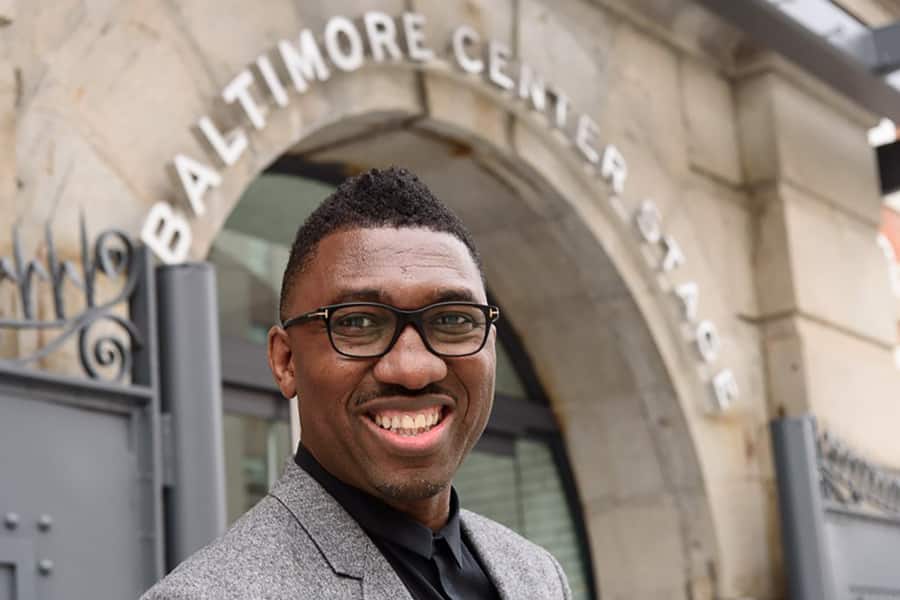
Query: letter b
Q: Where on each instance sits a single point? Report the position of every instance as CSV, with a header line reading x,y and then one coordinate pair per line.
x,y
167,234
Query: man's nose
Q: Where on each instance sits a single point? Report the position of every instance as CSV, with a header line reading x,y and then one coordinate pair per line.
x,y
410,363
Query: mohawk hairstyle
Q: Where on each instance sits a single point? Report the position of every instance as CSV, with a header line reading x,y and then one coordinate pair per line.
x,y
392,197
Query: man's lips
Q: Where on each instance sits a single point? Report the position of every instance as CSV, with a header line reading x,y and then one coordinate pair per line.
x,y
408,425
413,441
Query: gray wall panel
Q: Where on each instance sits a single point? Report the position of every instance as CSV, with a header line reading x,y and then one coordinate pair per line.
x,y
79,467
865,552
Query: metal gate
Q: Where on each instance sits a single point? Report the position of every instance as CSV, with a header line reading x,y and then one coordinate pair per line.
x,y
840,517
93,502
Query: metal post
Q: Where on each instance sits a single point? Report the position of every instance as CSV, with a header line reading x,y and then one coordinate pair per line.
x,y
145,372
802,510
191,391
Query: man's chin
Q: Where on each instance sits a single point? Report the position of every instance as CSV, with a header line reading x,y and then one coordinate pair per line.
x,y
411,490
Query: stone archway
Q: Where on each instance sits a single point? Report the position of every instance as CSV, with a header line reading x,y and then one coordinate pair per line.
x,y
637,474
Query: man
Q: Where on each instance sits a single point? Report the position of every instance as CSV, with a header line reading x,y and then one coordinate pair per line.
x,y
387,339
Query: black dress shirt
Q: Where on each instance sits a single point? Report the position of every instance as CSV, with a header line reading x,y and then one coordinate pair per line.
x,y
433,565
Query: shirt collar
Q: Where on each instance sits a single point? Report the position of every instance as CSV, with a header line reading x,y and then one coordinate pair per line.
x,y
378,519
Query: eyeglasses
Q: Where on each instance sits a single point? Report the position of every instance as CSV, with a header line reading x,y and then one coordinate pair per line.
x,y
370,329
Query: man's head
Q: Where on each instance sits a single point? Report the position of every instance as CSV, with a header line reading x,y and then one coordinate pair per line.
x,y
382,237
392,198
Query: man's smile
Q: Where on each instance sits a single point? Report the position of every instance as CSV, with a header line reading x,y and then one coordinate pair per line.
x,y
410,434
408,423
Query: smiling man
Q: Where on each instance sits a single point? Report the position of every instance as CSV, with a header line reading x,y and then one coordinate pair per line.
x,y
387,339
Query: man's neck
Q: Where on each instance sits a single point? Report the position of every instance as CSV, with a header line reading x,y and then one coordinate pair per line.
x,y
432,512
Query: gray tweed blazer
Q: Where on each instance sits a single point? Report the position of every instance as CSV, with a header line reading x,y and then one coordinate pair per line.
x,y
298,543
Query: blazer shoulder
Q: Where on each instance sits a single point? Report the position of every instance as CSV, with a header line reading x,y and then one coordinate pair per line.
x,y
500,534
515,563
265,554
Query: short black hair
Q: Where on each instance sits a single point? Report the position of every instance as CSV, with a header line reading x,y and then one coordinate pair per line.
x,y
392,197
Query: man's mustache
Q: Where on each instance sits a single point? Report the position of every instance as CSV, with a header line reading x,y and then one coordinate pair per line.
x,y
394,390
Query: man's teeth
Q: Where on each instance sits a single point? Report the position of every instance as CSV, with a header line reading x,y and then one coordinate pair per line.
x,y
409,423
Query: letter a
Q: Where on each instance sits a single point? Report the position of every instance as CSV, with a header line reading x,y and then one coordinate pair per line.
x,y
195,178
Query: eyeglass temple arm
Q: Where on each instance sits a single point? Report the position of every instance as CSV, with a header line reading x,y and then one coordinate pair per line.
x,y
317,314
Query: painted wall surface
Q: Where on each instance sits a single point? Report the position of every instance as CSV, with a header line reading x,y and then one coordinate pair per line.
x,y
763,177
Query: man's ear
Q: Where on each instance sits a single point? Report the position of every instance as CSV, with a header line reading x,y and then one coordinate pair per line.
x,y
281,361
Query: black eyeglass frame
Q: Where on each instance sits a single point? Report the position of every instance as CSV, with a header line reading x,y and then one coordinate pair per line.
x,y
404,318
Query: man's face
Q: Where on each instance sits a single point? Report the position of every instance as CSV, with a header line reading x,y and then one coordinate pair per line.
x,y
341,398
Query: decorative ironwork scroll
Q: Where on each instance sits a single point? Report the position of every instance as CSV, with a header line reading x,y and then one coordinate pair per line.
x,y
850,479
113,256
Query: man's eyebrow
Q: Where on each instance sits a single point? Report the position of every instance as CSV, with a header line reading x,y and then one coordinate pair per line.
x,y
361,295
449,295
378,295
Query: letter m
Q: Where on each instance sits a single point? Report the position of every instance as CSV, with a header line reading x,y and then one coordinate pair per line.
x,y
303,62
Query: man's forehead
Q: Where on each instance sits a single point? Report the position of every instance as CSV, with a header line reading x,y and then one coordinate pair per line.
x,y
370,264
395,247
387,295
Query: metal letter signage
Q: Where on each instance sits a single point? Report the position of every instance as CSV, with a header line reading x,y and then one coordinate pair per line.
x,y
346,46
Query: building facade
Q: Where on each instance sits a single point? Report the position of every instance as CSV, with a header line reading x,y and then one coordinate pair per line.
x,y
678,223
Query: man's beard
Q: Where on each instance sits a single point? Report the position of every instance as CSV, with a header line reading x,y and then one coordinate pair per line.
x,y
412,490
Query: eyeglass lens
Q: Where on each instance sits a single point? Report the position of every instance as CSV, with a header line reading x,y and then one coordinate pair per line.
x,y
450,329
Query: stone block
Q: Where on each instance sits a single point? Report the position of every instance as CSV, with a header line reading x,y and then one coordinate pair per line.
x,y
9,309
611,433
685,24
229,37
635,558
64,176
839,272
643,118
788,392
818,259
577,61
460,102
86,91
718,241
589,365
167,67
746,519
710,120
557,168
823,151
756,128
7,12
538,264
774,275
7,143
853,386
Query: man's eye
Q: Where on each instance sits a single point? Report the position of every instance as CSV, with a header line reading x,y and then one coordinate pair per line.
x,y
453,321
357,321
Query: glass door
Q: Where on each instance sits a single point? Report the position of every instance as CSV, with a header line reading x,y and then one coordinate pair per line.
x,y
257,436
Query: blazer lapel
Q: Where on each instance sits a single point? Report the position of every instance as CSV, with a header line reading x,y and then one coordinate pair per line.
x,y
343,543
500,565
381,582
